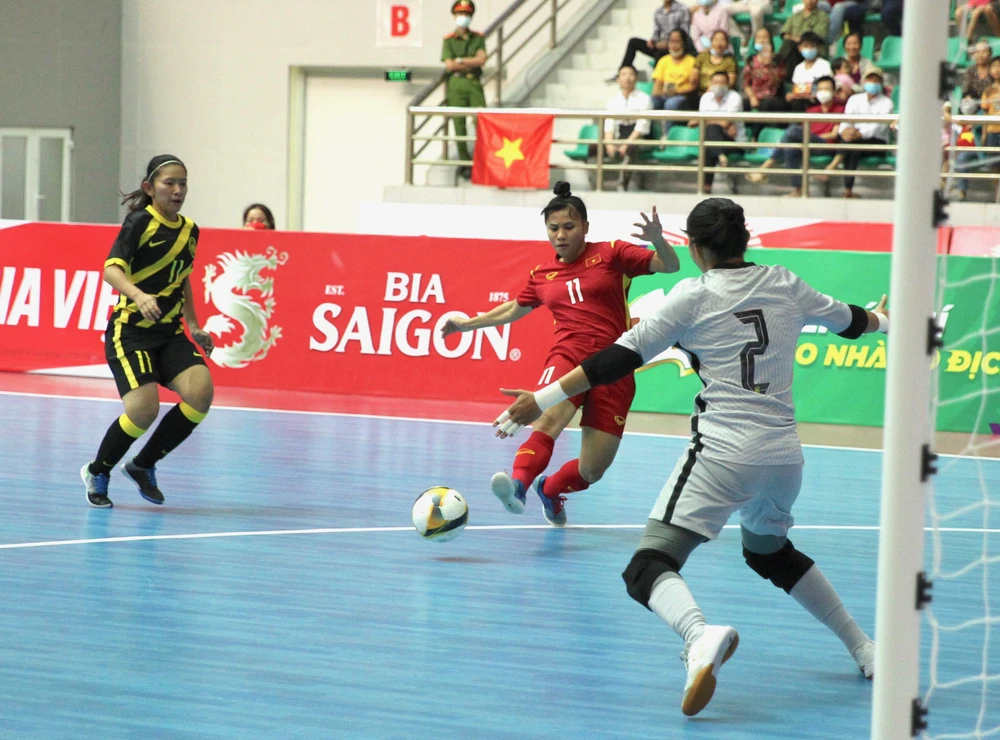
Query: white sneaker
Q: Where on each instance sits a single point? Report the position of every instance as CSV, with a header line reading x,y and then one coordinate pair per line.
x,y
704,658
510,492
864,656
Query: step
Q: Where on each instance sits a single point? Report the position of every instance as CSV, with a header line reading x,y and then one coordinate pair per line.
x,y
594,46
577,77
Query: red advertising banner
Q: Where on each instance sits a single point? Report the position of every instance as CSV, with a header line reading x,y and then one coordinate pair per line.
x,y
318,312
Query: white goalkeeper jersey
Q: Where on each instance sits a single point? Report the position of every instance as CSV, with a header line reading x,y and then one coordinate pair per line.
x,y
740,325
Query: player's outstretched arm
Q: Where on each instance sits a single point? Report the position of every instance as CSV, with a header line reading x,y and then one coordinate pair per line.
x,y
609,365
878,317
505,313
666,259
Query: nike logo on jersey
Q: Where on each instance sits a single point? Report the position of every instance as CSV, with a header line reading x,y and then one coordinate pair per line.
x,y
156,244
551,275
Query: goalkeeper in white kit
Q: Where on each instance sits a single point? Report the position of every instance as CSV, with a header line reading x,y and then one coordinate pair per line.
x,y
740,324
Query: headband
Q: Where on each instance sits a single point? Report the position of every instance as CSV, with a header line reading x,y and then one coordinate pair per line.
x,y
149,177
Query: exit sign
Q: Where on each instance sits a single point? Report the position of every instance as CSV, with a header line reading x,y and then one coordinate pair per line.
x,y
398,75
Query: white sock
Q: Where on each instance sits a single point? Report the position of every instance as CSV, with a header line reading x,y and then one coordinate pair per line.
x,y
671,600
817,595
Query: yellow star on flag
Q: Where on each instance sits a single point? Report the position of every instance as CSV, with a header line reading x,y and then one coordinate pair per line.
x,y
511,152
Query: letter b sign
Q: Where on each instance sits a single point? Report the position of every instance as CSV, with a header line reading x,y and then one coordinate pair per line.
x,y
398,23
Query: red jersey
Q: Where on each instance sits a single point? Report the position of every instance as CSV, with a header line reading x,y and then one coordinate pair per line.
x,y
588,297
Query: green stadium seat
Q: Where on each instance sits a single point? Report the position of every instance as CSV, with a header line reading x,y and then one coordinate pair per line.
x,y
737,42
646,87
768,135
891,54
679,154
894,96
780,16
956,55
581,151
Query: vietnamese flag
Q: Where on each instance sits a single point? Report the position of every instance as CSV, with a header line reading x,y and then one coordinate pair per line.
x,y
512,150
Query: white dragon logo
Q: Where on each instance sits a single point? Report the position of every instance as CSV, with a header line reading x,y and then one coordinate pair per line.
x,y
241,273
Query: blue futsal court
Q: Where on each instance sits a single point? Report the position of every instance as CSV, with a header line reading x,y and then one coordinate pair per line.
x,y
281,592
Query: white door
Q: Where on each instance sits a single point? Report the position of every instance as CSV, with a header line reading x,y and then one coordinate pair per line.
x,y
355,145
35,170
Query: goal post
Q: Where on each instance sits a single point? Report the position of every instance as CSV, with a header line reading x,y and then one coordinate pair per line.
x,y
908,432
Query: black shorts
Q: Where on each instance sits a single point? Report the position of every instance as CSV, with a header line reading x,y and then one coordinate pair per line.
x,y
140,356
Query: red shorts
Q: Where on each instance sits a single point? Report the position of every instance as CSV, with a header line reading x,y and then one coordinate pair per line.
x,y
605,407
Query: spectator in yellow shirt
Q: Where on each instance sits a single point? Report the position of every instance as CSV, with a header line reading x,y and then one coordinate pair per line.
x,y
675,80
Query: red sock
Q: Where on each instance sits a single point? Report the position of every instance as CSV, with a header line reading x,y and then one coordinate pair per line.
x,y
532,457
566,480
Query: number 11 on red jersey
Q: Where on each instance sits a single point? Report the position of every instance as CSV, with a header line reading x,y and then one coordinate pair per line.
x,y
577,297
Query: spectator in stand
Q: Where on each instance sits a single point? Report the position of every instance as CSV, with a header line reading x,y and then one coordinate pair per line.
x,y
756,8
810,69
764,80
990,103
716,59
846,86
872,102
258,216
966,138
892,16
809,19
671,16
819,133
977,77
708,18
849,13
623,128
977,10
723,99
857,65
675,80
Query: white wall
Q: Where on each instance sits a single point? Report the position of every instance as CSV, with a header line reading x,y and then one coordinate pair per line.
x,y
207,80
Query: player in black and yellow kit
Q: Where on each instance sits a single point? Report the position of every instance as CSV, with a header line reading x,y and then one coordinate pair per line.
x,y
149,265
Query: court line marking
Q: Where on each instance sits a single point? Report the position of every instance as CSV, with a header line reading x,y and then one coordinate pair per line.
x,y
376,530
384,417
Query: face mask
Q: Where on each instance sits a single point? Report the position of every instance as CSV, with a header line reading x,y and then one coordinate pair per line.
x,y
873,88
824,96
706,42
256,225
809,54
719,90
463,21
758,47
706,3
969,107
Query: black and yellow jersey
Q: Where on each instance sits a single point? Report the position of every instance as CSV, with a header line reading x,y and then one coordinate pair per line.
x,y
157,255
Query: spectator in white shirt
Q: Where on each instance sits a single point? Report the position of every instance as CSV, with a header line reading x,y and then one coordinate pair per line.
x,y
873,101
720,98
625,129
807,72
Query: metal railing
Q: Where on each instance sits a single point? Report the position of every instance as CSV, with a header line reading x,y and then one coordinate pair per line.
x,y
600,166
506,37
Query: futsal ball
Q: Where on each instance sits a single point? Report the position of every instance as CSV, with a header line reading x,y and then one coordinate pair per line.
x,y
440,514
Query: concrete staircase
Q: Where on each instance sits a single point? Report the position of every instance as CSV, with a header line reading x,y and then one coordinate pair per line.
x,y
580,79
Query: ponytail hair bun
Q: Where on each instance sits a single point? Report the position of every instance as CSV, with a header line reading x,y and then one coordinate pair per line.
x,y
565,201
719,225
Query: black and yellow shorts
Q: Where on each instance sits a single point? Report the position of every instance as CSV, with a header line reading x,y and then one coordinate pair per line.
x,y
138,356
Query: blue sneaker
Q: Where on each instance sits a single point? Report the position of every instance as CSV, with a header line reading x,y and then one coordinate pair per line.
x,y
510,492
97,488
145,481
552,506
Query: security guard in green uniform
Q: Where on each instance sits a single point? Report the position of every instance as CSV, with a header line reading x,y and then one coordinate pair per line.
x,y
464,54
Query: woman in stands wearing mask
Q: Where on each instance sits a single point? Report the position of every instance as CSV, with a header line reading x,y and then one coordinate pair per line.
x,y
807,72
258,216
675,79
966,159
585,287
764,80
716,59
977,77
710,16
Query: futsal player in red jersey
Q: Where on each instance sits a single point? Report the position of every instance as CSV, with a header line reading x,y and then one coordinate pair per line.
x,y
585,286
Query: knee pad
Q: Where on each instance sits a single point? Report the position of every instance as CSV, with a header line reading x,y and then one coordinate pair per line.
x,y
783,568
643,570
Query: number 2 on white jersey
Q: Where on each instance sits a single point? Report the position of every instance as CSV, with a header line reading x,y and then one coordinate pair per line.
x,y
578,296
755,318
